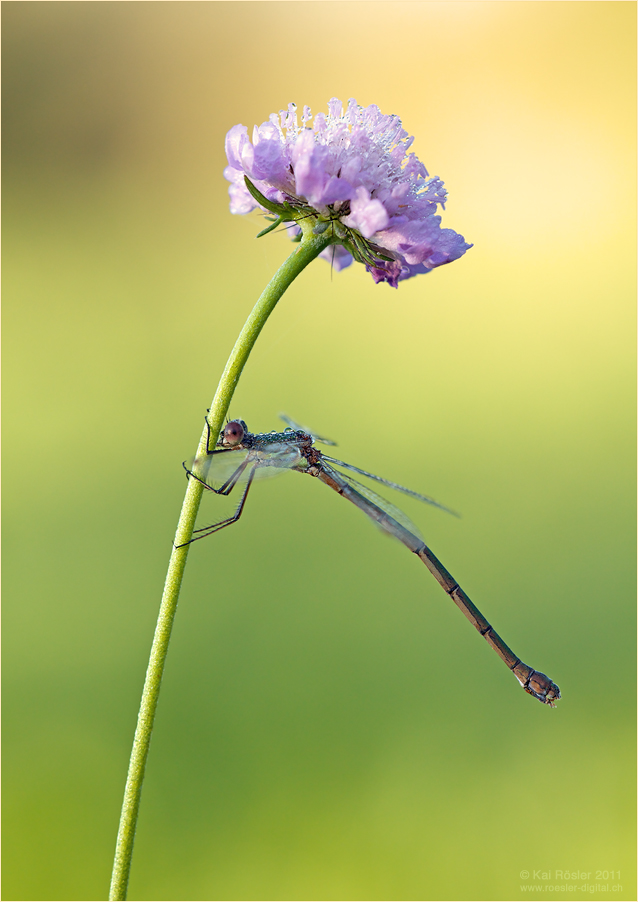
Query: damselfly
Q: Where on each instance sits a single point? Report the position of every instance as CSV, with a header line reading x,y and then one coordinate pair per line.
x,y
246,455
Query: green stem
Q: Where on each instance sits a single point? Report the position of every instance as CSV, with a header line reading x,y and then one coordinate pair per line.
x,y
309,248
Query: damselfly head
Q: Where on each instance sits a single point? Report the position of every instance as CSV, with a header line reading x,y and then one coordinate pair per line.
x,y
233,433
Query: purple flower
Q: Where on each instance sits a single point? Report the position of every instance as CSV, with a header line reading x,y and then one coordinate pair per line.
x,y
350,172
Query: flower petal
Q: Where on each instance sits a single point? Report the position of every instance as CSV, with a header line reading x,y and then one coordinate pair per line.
x,y
366,215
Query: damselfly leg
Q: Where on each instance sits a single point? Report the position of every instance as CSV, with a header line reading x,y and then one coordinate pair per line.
x,y
226,489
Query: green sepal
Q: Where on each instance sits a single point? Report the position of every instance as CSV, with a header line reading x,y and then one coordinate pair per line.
x,y
365,252
273,225
278,209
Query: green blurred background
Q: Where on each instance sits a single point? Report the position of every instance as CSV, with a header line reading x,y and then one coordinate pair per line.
x,y
330,726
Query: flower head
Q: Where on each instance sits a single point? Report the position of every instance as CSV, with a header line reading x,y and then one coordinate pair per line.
x,y
351,172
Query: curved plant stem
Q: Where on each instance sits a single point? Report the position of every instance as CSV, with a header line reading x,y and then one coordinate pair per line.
x,y
309,248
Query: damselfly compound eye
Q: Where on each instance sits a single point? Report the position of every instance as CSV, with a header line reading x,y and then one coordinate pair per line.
x,y
233,433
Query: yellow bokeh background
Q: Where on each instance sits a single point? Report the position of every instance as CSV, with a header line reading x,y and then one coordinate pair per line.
x,y
330,726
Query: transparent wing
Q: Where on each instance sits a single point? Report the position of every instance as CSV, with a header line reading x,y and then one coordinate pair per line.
x,y
298,428
386,506
392,485
218,468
